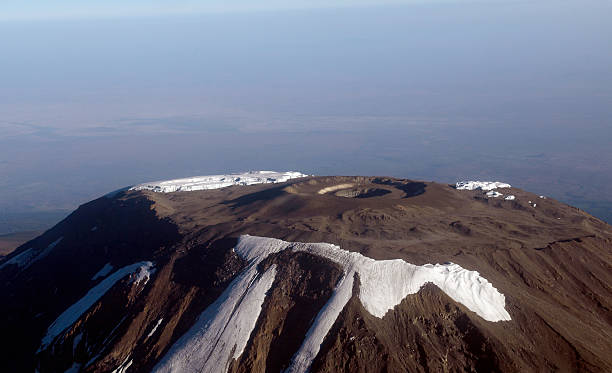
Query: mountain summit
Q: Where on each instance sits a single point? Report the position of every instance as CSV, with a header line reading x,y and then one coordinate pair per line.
x,y
271,272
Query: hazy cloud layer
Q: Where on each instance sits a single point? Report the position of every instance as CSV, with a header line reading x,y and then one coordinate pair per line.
x,y
518,92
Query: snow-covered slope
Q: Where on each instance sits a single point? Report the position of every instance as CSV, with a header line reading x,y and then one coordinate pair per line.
x,y
482,185
103,271
72,314
218,181
30,256
323,299
223,330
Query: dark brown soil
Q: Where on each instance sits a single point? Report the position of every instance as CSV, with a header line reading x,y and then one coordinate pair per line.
x,y
303,285
552,262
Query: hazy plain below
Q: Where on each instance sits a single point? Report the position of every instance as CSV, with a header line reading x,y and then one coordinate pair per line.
x,y
513,91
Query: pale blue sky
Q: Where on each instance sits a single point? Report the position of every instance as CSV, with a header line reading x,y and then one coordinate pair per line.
x,y
44,9
78,9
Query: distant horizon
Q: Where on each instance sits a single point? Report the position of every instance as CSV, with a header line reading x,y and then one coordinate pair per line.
x,y
517,91
31,220
437,194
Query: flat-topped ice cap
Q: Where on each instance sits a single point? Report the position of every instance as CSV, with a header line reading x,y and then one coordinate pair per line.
x,y
218,181
482,185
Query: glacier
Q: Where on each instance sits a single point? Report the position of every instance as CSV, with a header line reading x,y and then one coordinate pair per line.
x,y
30,256
103,271
218,181
224,328
494,194
482,185
155,328
74,312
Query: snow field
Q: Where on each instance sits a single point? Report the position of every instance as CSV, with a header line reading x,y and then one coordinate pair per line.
x,y
155,328
222,331
31,256
72,313
103,271
218,181
226,325
482,185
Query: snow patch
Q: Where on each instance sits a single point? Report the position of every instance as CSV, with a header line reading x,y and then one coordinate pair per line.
x,y
228,322
46,251
144,274
385,283
31,256
482,185
21,259
72,314
103,272
124,366
76,341
255,249
114,193
218,181
155,328
75,368
92,360
110,335
322,324
510,198
224,328
226,325
493,194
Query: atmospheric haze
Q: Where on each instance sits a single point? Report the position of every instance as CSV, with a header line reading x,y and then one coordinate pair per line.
x,y
514,91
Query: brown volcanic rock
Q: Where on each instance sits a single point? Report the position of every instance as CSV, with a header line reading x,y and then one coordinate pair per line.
x,y
31,298
303,285
553,263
